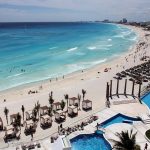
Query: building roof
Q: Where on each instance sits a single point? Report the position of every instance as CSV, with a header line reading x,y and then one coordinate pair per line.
x,y
73,98
87,101
56,103
44,107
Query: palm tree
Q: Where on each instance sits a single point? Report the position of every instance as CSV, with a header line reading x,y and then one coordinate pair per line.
x,y
79,98
17,122
66,98
62,104
37,107
83,93
127,141
50,111
51,100
51,94
34,112
6,111
23,110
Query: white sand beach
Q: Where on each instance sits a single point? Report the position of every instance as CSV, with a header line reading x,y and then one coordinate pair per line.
x,y
92,80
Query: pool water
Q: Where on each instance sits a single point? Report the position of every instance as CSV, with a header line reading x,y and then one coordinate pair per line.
x,y
90,142
146,99
119,118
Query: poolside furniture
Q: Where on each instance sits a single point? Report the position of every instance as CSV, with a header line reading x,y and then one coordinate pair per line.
x,y
43,110
60,116
56,106
1,124
30,145
45,121
73,101
86,105
11,133
30,127
72,111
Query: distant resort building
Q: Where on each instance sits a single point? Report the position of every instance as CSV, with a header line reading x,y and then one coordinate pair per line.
x,y
124,20
106,21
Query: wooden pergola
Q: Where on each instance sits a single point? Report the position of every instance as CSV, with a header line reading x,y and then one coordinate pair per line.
x,y
56,106
43,110
60,116
13,118
30,127
29,114
86,104
72,111
73,101
45,121
1,124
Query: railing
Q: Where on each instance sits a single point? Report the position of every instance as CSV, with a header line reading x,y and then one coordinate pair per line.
x,y
145,90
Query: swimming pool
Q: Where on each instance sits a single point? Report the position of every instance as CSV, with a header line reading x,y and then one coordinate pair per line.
x,y
97,141
119,118
94,141
146,99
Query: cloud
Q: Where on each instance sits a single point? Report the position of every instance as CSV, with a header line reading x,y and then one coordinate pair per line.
x,y
71,10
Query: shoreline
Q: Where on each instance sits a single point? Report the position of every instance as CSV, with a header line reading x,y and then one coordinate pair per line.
x,y
93,82
113,60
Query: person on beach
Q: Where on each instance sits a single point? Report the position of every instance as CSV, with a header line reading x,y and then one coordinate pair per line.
x,y
146,146
97,126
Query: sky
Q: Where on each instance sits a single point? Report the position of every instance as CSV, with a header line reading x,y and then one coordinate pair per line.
x,y
73,10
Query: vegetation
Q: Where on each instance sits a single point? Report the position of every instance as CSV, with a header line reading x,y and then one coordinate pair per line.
x,y
6,111
148,134
17,122
50,111
79,98
83,93
66,98
37,107
62,104
23,110
51,100
34,112
127,141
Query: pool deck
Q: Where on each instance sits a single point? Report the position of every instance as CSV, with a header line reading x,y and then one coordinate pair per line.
x,y
132,110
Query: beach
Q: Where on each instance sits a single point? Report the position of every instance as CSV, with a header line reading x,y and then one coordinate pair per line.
x,y
93,80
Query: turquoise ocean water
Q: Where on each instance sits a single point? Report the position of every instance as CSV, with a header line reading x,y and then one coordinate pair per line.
x,y
32,52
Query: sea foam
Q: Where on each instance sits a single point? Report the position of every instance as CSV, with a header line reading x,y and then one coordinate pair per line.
x,y
72,49
92,47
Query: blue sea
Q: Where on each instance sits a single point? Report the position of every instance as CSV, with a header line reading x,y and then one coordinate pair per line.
x,y
31,52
